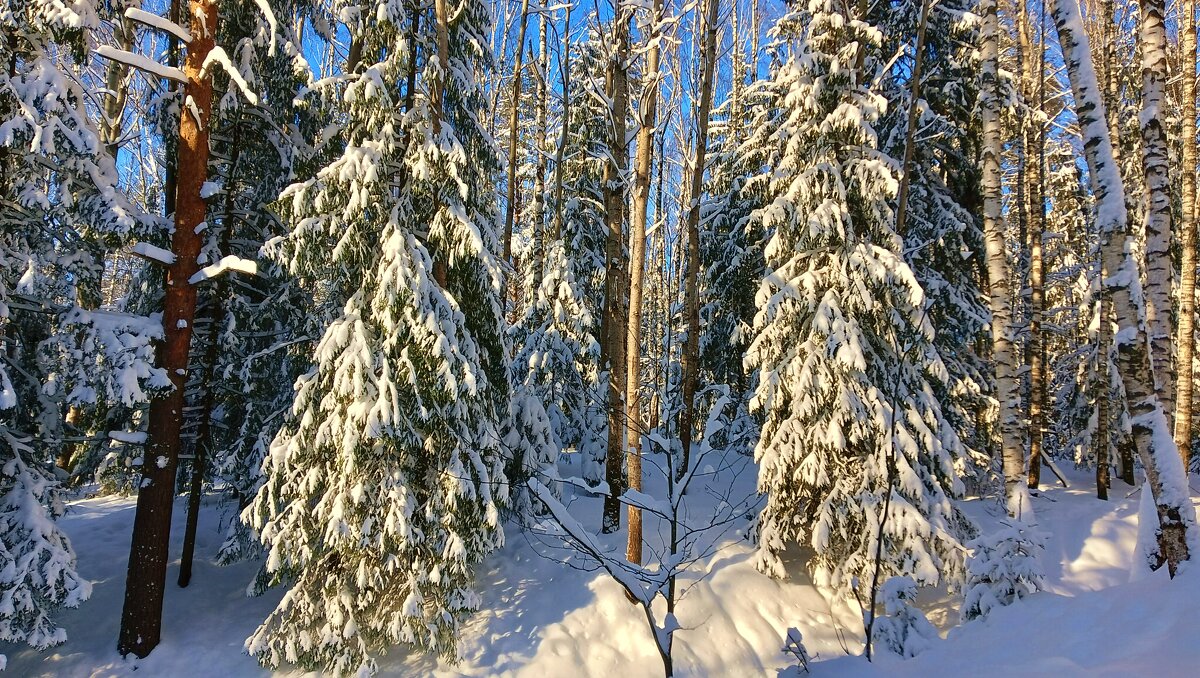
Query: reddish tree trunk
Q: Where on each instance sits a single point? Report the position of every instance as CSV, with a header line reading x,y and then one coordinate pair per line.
x,y
141,617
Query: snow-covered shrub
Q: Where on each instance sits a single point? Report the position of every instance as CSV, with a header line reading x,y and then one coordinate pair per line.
x,y
903,628
555,362
37,564
1004,567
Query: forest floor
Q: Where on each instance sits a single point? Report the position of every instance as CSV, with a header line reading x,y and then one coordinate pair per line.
x,y
547,612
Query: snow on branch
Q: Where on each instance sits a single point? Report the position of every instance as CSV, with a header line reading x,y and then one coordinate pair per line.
x,y
159,23
141,63
155,254
219,57
630,577
229,263
265,7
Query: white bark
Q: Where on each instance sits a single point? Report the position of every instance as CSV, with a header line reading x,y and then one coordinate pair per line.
x,y
1003,353
1176,533
1158,192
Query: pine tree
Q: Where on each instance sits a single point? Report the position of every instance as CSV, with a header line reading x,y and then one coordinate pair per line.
x,y
856,457
386,485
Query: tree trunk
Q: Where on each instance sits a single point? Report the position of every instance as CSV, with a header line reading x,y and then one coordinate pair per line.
x,y
513,120
559,153
690,360
613,324
217,317
1102,440
116,81
203,447
1187,236
648,112
1037,263
1155,446
1112,100
437,97
538,218
141,617
1003,354
1158,191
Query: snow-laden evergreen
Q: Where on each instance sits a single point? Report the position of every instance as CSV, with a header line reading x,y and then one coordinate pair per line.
x,y
856,458
942,237
385,487
584,233
1004,567
556,356
730,241
38,572
59,209
903,628
254,332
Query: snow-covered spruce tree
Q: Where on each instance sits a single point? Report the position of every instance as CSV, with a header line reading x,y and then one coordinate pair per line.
x,y
386,485
856,457
556,355
253,331
39,564
730,241
556,351
581,266
1072,265
942,235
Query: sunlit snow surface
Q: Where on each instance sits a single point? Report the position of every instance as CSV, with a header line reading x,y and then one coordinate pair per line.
x,y
543,618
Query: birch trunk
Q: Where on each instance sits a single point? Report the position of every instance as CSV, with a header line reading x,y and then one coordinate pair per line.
x,y
1003,354
1187,234
1158,192
538,218
613,324
648,112
1165,476
141,616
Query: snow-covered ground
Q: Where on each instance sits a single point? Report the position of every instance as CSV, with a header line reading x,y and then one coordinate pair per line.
x,y
542,617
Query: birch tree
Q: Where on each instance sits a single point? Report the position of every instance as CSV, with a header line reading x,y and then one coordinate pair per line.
x,y
1004,355
1155,160
1175,534
1186,338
